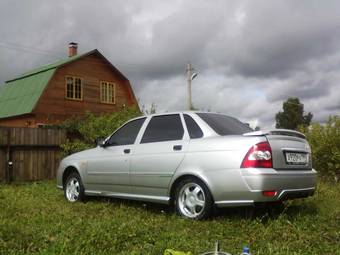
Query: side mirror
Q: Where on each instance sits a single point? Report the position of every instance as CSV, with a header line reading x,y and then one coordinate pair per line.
x,y
100,141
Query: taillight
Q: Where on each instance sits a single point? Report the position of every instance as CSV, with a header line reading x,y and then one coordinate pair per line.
x,y
259,155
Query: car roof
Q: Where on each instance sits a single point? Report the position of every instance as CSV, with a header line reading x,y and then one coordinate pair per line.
x,y
175,112
179,112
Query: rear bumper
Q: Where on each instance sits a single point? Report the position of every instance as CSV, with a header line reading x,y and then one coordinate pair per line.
x,y
296,193
257,197
287,184
258,179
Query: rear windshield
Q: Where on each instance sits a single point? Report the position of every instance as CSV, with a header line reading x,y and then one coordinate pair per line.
x,y
225,125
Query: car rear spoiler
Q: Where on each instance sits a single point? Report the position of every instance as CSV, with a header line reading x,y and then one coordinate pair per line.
x,y
286,132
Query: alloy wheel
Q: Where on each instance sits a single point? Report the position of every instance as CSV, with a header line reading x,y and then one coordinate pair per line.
x,y
191,200
72,189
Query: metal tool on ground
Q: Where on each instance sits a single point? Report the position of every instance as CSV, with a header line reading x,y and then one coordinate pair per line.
x,y
216,251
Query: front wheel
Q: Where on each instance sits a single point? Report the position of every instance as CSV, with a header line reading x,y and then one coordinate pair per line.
x,y
73,188
193,199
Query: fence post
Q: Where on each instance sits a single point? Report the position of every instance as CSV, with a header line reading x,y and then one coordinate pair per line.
x,y
8,157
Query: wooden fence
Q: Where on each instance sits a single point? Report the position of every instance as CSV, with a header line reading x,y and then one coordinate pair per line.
x,y
29,154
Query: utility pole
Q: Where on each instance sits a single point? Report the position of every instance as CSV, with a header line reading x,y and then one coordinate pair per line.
x,y
189,79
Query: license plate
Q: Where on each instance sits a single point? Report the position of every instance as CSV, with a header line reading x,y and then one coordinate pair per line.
x,y
297,158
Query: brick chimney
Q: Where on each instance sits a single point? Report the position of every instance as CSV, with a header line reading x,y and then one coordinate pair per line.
x,y
72,49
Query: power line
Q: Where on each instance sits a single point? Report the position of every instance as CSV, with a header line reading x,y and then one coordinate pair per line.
x,y
32,50
18,47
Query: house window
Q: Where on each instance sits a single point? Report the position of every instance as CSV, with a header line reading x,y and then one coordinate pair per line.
x,y
74,88
107,92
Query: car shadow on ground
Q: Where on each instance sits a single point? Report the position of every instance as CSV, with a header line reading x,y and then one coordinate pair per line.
x,y
263,212
268,212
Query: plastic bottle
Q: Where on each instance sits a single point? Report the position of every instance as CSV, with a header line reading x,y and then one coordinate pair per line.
x,y
245,251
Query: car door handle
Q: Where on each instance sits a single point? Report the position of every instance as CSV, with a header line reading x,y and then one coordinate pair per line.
x,y
177,147
126,151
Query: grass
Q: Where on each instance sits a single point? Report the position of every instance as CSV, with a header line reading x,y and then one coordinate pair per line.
x,y
35,219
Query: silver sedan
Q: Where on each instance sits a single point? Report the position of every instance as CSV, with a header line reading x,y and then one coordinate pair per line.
x,y
194,160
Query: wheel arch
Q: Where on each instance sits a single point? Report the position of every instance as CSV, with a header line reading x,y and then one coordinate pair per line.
x,y
68,170
178,179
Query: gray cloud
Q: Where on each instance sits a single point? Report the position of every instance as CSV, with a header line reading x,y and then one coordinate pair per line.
x,y
250,55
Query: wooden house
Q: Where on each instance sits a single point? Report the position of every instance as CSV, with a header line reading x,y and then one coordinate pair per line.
x,y
69,87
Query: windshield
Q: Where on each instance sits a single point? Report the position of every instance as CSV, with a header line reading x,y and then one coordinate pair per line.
x,y
225,125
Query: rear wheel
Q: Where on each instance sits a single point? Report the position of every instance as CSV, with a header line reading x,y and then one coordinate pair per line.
x,y
73,188
193,199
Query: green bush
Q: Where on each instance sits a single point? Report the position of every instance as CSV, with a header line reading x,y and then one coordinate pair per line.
x,y
325,143
87,128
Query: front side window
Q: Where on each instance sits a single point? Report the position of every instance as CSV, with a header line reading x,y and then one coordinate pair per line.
x,y
126,134
74,88
107,92
163,128
225,125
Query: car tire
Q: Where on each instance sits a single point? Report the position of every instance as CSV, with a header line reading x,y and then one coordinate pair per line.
x,y
193,199
74,188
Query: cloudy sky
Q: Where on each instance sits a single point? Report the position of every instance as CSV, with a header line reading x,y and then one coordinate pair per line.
x,y
250,55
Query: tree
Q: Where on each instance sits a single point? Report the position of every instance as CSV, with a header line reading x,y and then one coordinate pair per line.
x,y
87,128
293,115
325,142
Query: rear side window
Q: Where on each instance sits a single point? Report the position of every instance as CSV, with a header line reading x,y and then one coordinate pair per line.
x,y
126,134
193,129
163,128
225,125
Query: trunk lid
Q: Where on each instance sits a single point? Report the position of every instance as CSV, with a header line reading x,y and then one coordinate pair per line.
x,y
290,149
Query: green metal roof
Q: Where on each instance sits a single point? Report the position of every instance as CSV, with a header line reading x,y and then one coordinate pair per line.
x,y
20,95
51,66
